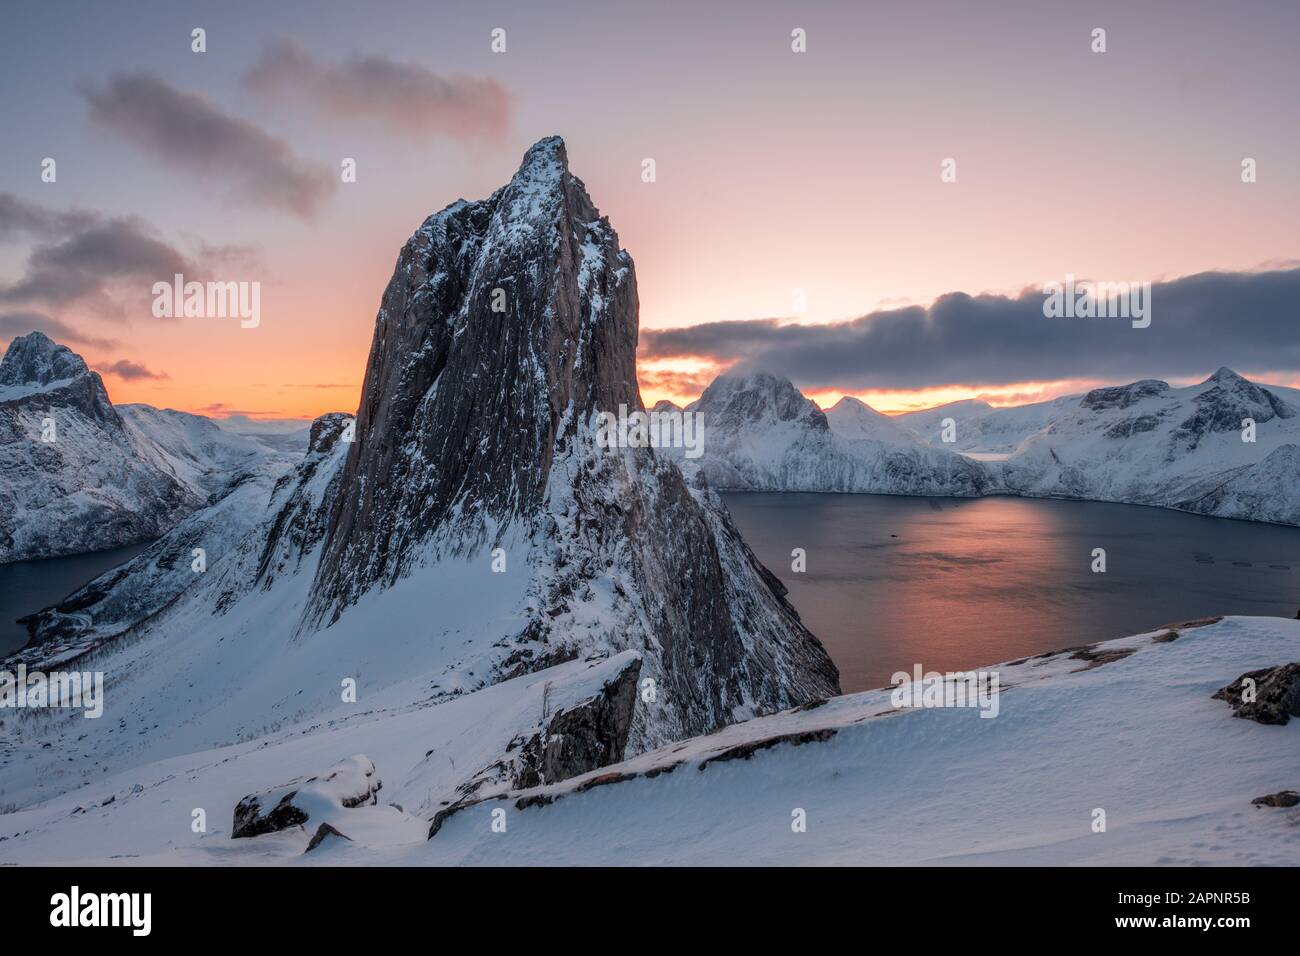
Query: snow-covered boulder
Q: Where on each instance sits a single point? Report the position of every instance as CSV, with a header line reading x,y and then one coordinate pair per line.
x,y
350,783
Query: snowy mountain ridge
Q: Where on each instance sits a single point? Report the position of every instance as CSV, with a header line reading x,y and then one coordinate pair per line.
x,y
1143,443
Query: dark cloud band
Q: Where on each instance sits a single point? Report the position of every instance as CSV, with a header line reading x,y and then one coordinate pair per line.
x,y
1247,320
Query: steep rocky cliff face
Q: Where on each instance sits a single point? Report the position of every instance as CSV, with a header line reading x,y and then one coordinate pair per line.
x,y
508,325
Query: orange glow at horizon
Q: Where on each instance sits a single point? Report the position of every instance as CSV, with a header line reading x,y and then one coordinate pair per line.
x,y
901,401
681,381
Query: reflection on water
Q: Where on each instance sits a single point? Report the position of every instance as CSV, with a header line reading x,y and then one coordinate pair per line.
x,y
952,583
27,586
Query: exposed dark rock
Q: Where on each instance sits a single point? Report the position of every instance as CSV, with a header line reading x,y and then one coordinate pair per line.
x,y
349,784
1283,798
322,832
746,750
593,734
1276,694
1224,406
1195,622
1096,658
1122,396
252,819
1129,427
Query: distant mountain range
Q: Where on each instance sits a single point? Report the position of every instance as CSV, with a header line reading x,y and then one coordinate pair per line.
x,y
1145,443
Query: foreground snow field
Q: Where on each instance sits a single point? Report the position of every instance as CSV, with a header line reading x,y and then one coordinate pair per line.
x,y
1138,736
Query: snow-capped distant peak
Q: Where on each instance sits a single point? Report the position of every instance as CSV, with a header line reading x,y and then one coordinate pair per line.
x,y
854,418
1224,375
36,359
757,398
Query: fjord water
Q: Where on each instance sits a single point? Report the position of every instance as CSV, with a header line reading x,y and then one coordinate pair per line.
x,y
954,583
27,586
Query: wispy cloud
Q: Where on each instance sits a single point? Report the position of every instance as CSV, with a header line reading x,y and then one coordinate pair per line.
x,y
1199,322
406,98
85,265
191,135
104,266
20,219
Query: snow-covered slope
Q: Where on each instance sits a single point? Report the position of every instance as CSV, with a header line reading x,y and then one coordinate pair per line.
x,y
1138,737
71,475
763,434
427,758
125,598
983,430
1148,443
854,418
1128,727
474,531
202,456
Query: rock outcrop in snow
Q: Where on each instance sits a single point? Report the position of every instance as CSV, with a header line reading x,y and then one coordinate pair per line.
x,y
351,783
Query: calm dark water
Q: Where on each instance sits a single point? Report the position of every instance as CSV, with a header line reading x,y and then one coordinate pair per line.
x,y
954,583
27,586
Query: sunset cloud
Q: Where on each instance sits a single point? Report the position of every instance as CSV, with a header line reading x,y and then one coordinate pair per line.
x,y
188,133
1244,319
105,266
84,264
130,371
406,98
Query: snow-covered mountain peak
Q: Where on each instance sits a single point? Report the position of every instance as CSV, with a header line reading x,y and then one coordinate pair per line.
x,y
1224,375
854,418
757,398
36,359
1225,400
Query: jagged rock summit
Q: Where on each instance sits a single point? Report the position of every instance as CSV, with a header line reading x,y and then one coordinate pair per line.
x,y
44,373
508,325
